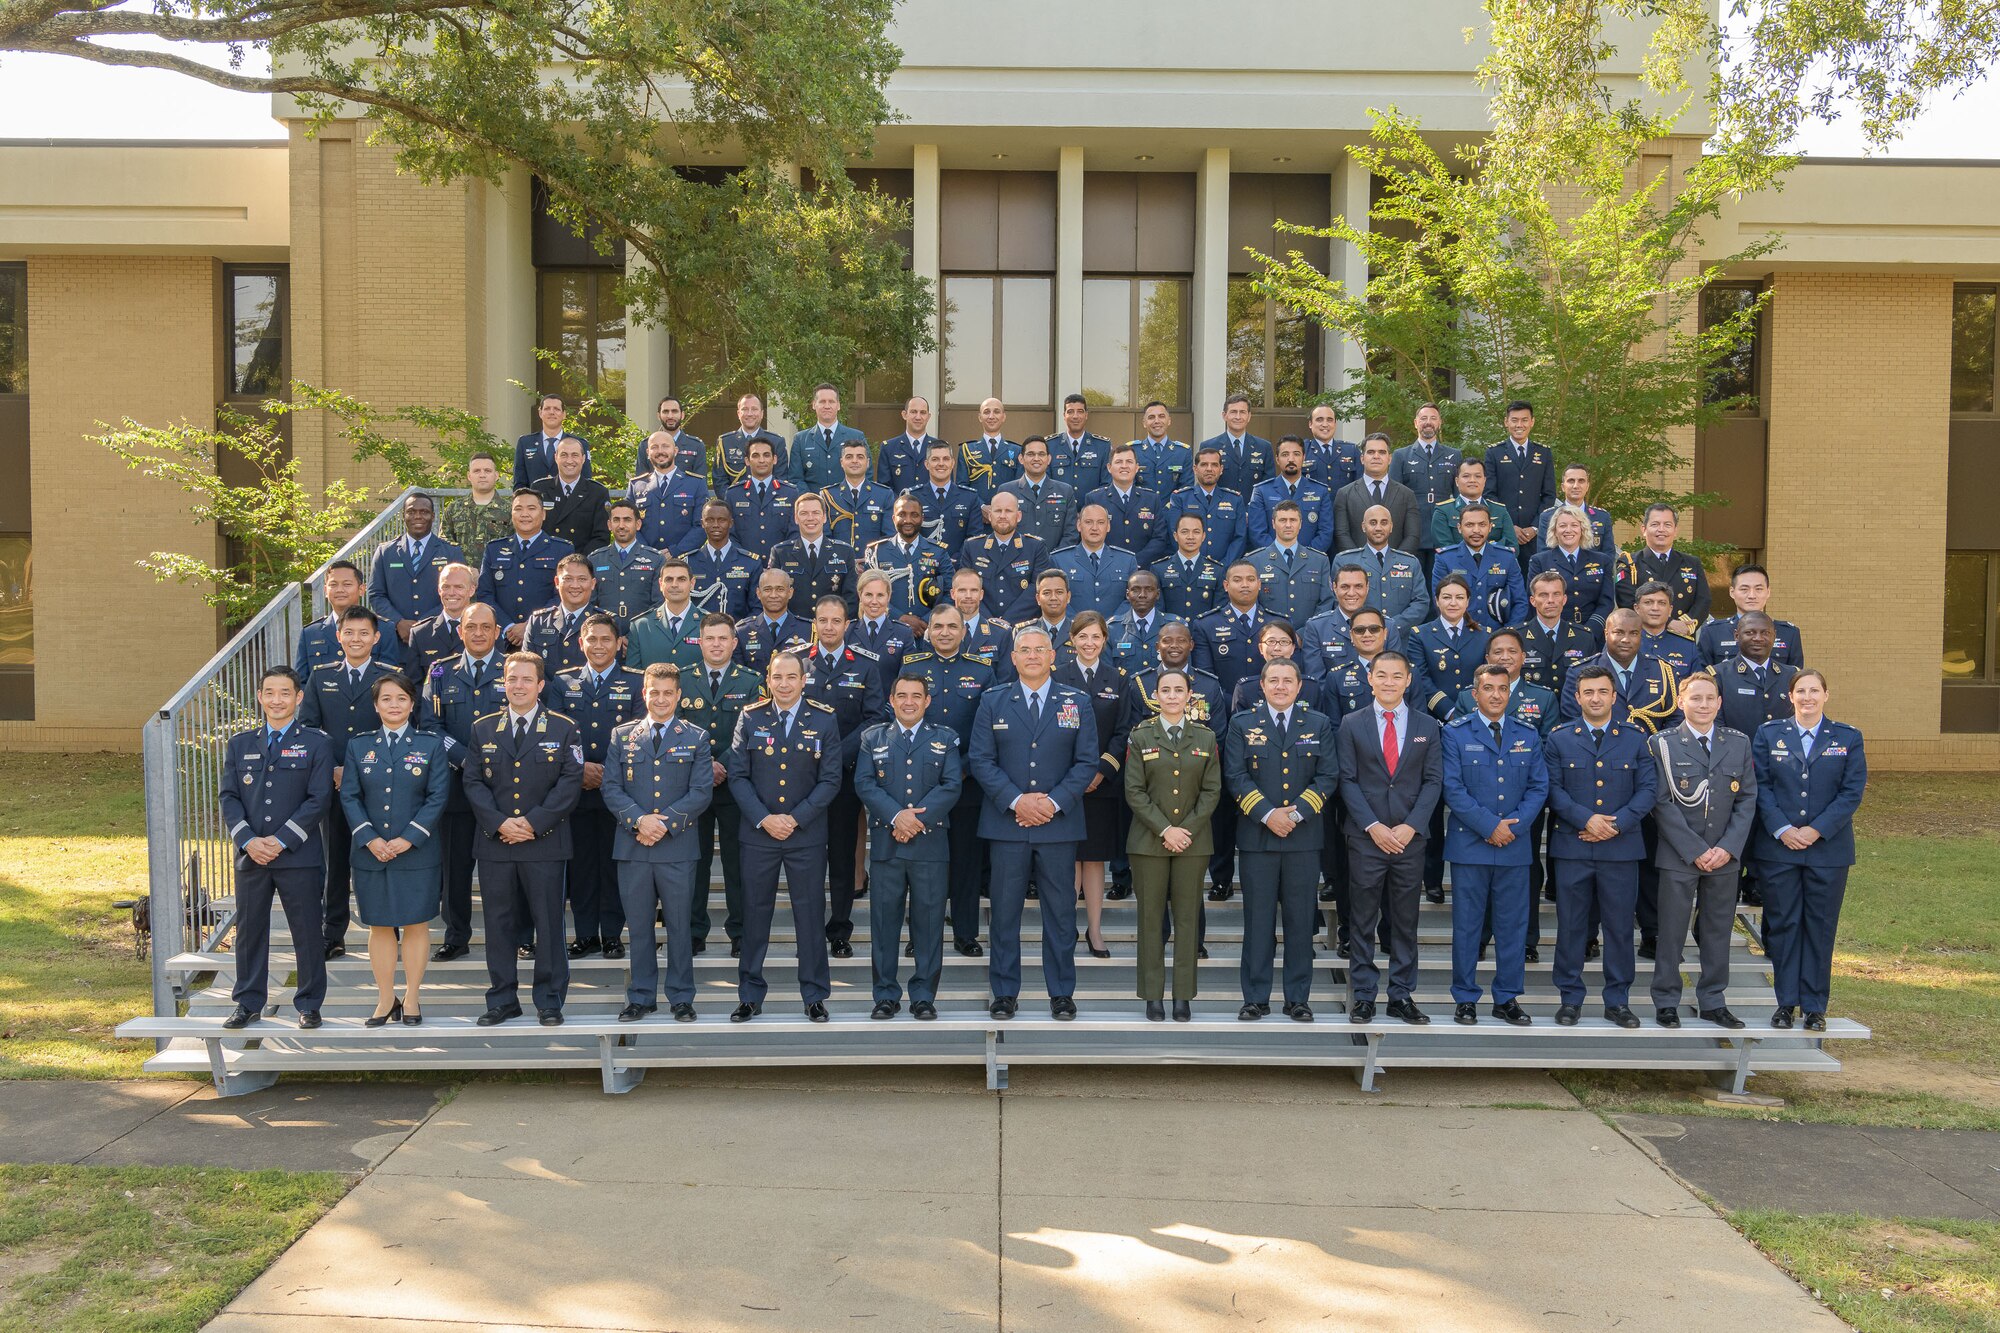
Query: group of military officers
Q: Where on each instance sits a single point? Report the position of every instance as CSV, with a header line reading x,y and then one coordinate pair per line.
x,y
1325,669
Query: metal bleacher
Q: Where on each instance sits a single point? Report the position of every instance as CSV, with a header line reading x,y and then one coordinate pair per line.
x,y
193,917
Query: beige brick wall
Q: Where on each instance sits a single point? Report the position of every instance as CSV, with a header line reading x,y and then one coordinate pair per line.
x,y
112,336
1860,368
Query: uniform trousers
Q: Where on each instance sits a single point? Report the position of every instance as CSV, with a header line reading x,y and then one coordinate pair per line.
x,y
459,831
1710,901
721,823
1051,868
804,864
1649,882
1589,892
843,825
1333,866
917,889
667,886
1222,865
516,897
1384,893
1801,910
1279,887
1434,854
299,892
968,862
1473,887
595,906
339,840
1163,883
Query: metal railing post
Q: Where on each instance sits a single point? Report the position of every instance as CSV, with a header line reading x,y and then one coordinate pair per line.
x,y
163,855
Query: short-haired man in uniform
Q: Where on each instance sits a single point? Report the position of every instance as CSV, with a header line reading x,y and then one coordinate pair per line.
x,y
402,583
777,628
667,499
1750,589
957,679
1190,578
627,572
714,693
319,642
457,692
848,681
1007,560
728,464
552,631
340,703
671,630
1657,559
817,565
597,696
899,463
1048,504
435,638
518,575
471,521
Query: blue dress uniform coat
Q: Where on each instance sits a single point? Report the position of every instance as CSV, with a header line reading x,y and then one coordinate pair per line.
x,y
1753,695
950,519
628,580
1048,509
1717,642
859,515
1676,650
888,642
1133,644
1224,515
1164,465
1597,881
1080,462
984,465
1332,464
714,708
319,645
1245,462
1524,480
724,580
1591,577
435,639
577,516
762,515
730,462
457,692
919,574
1225,644
1326,640
903,770
1484,782
657,636
403,583
815,460
1135,520
537,776
1549,655
776,770
596,706
342,708
826,570
1189,590
1007,569
758,637
1818,788
1381,886
669,509
1499,597
899,462
535,457
849,681
1431,473
957,684
396,787
1266,767
516,579
1681,572
1096,580
1603,534
665,770
1015,752
1449,661
1527,703
1315,504
552,635
1646,696
691,455
1708,798
1294,590
1396,584
991,639
278,787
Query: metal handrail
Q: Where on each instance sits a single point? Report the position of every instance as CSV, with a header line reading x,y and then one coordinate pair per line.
x,y
190,858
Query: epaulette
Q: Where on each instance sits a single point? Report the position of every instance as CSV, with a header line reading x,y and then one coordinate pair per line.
x,y
856,650
911,659
984,659
995,620
824,708
1461,720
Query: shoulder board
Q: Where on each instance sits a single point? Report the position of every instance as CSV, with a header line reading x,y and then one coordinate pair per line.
x,y
984,659
856,650
995,620
824,708
485,718
912,659
567,672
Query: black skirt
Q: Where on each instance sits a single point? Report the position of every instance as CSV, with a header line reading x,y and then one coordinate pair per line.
x,y
1101,839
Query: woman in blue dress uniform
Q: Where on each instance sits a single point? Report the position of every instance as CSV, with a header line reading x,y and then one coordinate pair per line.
x,y
393,787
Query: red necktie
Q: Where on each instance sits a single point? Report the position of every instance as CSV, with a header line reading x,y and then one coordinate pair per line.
x,y
1390,751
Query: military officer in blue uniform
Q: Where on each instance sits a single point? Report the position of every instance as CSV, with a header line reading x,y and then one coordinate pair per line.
x,y
1527,702
1656,558
458,691
1554,644
899,462
1495,783
1492,575
1281,766
1602,785
1451,648
1246,458
1225,642
776,628
760,506
338,702
1811,774
785,772
597,696
1135,630
1521,474
919,569
1296,582
523,778
1163,460
402,579
1750,589
859,511
953,514
1314,501
1096,570
535,452
690,448
1589,575
723,572
1048,505
1655,604
627,572
552,631
816,565
908,778
956,679
1190,579
992,460
658,782
986,637
815,460
1034,751
1647,687
1331,462
1349,678
727,464
517,575
1007,561
1077,454
1575,487
847,680
1429,467
276,788
667,499
1397,584
436,637
1224,514
880,634
1756,687
714,693
319,642
1327,638
1135,512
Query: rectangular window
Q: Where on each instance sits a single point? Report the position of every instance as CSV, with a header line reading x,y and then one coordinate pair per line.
x,y
581,321
1972,344
1971,614
255,318
1273,352
1734,377
1135,341
998,335
13,328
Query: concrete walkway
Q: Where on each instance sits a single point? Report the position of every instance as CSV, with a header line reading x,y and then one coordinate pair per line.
x,y
1160,1199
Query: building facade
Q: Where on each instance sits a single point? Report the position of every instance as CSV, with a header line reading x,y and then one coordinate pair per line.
x,y
1086,224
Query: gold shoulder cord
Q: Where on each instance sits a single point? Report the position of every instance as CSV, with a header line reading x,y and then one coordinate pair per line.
x,y
1654,714
976,472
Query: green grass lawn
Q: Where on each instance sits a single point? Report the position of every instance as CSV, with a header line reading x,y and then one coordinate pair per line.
x,y
143,1248
1883,1276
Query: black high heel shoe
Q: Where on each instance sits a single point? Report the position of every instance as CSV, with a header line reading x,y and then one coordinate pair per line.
x,y
1095,952
412,1017
395,1015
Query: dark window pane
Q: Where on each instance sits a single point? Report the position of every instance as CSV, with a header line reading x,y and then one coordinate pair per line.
x,y
13,328
1966,613
583,324
1295,375
256,334
1163,341
17,629
1246,372
967,335
1973,349
1734,375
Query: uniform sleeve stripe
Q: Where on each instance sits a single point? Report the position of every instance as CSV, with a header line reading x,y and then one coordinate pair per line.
x,y
238,827
359,827
1312,799
420,828
296,829
1250,801
1112,760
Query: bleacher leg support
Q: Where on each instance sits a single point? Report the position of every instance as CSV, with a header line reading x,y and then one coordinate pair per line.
x,y
996,1068
234,1084
1365,1073
617,1079
1737,1080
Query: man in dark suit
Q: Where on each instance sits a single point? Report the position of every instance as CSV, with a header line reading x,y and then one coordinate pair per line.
x,y
522,780
535,452
577,505
1521,474
729,466
1375,487
1391,779
1034,751
339,702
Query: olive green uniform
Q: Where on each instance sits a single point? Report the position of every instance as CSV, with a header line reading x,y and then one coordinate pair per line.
x,y
469,526
1170,783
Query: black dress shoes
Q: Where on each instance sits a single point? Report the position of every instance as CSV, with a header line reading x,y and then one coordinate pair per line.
x,y
1407,1011
683,1013
585,948
699,946
1782,1016
1117,893
1668,1018
1513,1013
743,1013
526,953
1648,946
1183,1012
445,953
1815,1021
1003,1007
1062,1008
735,948
1298,1012
1218,894
1592,949
1156,1011
923,1010
969,948
549,1018
1433,895
335,949
885,1009
909,951
240,1017
614,950
1249,1013
632,1013
1722,1018
1468,1014
1533,955
1363,1011
1622,1016
494,1017
816,1011
840,948
1201,951
309,1020
1568,1015
395,1015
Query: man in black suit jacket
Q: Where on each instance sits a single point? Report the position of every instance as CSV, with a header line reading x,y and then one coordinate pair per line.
x,y
577,506
535,452
1373,487
1391,779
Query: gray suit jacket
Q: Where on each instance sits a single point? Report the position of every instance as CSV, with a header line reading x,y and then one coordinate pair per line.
x,y
1353,501
1705,800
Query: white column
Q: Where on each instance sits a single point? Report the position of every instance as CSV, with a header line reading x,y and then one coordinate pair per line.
x,y
1069,275
778,417
1350,268
648,362
1211,292
926,205
510,305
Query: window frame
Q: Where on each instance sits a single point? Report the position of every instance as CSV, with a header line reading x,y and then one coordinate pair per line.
x,y
603,280
1137,397
999,279
1756,287
19,269
1993,390
1314,366
282,275
1989,674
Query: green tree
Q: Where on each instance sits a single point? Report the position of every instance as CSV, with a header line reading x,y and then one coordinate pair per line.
x,y
798,280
